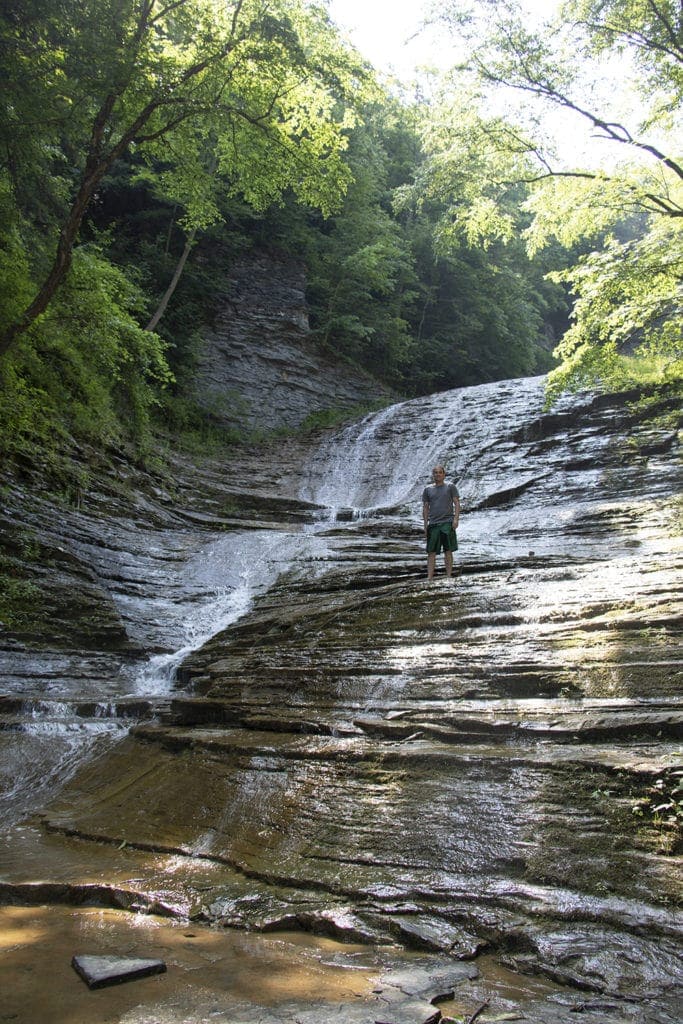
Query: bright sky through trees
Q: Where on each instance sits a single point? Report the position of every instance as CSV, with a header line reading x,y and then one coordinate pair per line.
x,y
393,36
388,33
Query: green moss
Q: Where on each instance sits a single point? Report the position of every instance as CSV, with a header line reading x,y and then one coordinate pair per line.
x,y
604,819
338,415
657,808
18,600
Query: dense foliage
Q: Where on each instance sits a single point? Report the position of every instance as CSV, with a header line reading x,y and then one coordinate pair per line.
x,y
442,246
245,99
624,218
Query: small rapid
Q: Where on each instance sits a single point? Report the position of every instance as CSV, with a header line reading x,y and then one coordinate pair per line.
x,y
385,459
220,583
61,722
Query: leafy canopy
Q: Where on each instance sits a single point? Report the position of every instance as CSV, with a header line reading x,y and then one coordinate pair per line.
x,y
220,99
627,215
252,96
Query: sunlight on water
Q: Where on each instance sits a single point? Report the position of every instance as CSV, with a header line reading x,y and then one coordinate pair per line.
x,y
40,759
222,581
183,590
386,459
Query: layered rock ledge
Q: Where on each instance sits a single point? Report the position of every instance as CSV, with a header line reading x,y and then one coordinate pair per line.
x,y
484,769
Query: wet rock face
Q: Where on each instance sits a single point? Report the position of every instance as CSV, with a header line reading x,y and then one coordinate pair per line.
x,y
481,765
101,595
258,367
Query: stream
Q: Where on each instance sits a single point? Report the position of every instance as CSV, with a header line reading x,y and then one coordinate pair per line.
x,y
178,589
311,737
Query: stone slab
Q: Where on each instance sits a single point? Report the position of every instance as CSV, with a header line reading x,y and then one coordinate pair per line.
x,y
101,971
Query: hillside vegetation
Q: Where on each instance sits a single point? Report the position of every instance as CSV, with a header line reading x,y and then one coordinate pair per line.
x,y
144,147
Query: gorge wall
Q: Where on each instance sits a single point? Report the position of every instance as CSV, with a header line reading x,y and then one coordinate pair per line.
x,y
258,367
235,704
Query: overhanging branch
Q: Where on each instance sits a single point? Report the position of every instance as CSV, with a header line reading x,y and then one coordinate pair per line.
x,y
613,131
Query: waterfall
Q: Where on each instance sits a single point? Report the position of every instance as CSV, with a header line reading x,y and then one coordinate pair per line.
x,y
182,588
487,761
386,459
219,585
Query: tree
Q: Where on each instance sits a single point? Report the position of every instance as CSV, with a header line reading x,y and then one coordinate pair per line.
x,y
361,274
481,310
650,32
554,65
258,92
631,211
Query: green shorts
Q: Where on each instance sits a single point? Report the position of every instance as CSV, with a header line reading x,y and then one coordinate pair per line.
x,y
441,535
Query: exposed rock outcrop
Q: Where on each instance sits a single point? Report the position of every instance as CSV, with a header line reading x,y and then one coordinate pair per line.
x,y
480,768
258,367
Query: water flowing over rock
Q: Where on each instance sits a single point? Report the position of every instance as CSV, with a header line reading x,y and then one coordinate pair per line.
x,y
481,770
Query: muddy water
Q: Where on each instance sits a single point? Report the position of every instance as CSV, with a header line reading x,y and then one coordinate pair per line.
x,y
470,769
207,972
219,975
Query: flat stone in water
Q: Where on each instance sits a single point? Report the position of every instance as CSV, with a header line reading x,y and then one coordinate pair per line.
x,y
100,971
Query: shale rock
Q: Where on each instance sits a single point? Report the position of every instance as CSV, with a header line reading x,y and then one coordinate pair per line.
x,y
101,971
481,766
258,366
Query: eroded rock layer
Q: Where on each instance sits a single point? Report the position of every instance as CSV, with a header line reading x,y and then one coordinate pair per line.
x,y
480,766
258,367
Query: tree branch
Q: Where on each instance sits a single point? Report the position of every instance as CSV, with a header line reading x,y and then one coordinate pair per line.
x,y
612,130
478,1012
640,40
659,204
165,11
161,308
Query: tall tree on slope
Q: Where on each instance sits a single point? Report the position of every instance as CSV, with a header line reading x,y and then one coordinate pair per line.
x,y
259,91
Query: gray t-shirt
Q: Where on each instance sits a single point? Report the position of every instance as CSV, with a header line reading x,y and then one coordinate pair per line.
x,y
440,497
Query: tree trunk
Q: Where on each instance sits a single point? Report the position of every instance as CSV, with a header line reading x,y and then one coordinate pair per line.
x,y
60,265
161,308
171,224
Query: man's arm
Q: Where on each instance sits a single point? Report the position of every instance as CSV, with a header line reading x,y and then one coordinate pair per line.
x,y
425,514
456,511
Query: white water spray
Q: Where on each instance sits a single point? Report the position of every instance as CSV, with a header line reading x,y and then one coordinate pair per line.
x,y
220,584
386,459
178,594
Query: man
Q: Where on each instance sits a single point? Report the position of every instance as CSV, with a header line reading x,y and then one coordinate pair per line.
x,y
441,514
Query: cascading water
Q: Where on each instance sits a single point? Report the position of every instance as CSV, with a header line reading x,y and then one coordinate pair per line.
x,y
43,755
219,584
379,463
386,459
193,598
180,588
449,765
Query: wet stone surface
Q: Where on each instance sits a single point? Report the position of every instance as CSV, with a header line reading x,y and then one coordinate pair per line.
x,y
101,971
480,770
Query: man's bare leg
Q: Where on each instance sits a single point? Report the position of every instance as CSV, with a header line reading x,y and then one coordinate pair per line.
x,y
448,558
431,565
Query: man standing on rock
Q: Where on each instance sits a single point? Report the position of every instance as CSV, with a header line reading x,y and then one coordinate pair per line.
x,y
441,514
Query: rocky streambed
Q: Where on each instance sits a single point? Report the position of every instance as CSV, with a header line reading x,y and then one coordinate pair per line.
x,y
241,710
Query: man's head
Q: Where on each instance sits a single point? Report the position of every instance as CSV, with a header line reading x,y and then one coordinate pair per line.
x,y
438,474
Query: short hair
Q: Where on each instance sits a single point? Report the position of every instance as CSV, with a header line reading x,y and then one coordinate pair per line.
x,y
438,466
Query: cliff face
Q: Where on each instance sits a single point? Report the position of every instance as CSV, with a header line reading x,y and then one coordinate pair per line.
x,y
258,367
483,770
